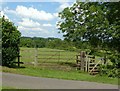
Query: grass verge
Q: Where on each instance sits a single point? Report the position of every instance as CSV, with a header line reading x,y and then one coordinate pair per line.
x,y
60,74
6,87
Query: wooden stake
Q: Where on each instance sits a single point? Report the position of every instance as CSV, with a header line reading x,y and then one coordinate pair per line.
x,y
82,58
86,61
35,64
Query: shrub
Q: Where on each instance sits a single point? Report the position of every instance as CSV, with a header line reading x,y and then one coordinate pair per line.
x,y
110,71
10,42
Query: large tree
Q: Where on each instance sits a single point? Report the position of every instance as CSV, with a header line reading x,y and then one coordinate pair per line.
x,y
10,42
97,23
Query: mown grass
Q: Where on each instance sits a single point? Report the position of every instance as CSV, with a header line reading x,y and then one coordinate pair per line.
x,y
7,87
60,74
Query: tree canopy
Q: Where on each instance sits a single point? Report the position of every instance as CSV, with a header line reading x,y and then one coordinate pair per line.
x,y
95,22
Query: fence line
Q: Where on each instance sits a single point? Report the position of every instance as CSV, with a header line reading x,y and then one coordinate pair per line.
x,y
38,56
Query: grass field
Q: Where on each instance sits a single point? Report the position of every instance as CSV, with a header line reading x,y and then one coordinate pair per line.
x,y
51,68
47,55
49,58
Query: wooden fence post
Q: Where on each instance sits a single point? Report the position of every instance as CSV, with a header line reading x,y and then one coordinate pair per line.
x,y
58,56
78,61
18,58
18,49
35,63
88,63
82,58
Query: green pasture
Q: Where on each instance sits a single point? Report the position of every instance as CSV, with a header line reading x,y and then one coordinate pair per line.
x,y
47,55
50,58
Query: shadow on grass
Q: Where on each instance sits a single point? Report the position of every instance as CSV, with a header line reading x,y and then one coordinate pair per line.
x,y
15,66
68,63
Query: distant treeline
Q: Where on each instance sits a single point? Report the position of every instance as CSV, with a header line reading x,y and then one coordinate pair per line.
x,y
50,43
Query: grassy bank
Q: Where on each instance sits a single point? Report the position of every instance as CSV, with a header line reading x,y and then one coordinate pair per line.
x,y
60,74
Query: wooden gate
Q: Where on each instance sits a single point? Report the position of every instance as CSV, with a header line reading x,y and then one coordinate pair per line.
x,y
88,63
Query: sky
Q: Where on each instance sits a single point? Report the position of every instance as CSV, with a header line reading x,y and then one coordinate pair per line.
x,y
36,18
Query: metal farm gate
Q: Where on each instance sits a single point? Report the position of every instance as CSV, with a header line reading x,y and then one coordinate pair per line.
x,y
47,57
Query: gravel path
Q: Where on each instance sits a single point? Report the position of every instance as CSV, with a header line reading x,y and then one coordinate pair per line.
x,y
29,82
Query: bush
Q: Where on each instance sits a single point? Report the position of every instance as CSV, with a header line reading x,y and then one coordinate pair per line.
x,y
8,56
110,71
10,42
113,73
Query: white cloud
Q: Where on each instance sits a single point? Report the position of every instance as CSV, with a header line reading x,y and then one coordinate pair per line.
x,y
33,13
63,5
38,32
47,25
35,27
55,14
29,23
7,10
22,28
3,14
42,31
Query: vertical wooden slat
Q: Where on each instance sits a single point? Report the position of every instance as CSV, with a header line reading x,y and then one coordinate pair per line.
x,y
86,65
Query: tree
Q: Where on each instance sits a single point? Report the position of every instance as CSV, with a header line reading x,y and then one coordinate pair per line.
x,y
92,22
26,42
96,23
10,42
83,21
113,17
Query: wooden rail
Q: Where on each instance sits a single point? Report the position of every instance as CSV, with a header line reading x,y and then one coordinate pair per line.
x,y
94,67
57,58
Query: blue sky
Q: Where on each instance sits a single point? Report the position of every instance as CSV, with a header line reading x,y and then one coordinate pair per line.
x,y
35,19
